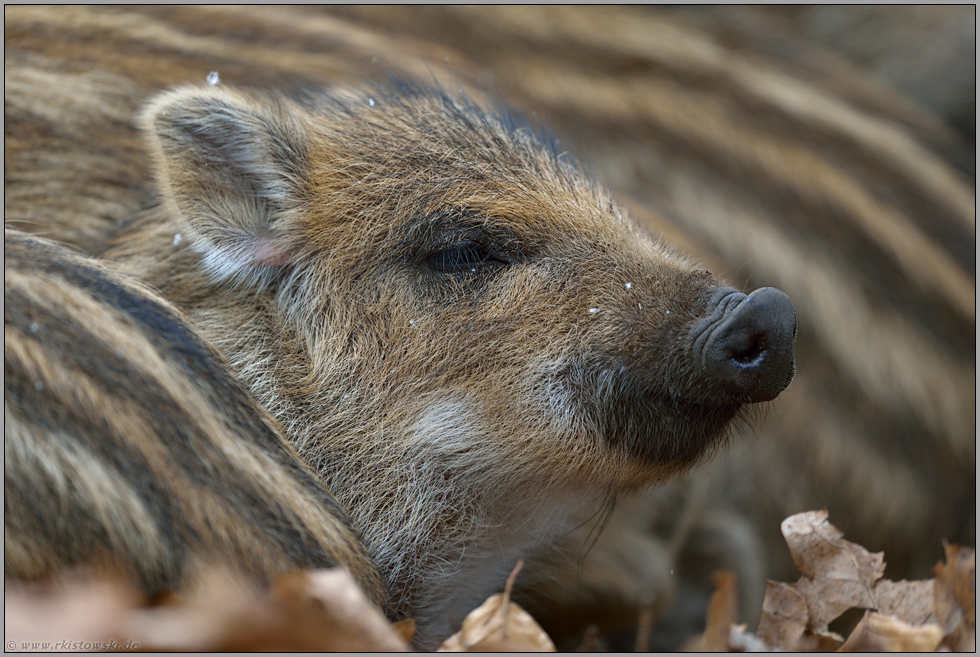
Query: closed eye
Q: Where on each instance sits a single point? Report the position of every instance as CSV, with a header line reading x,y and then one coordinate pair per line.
x,y
463,257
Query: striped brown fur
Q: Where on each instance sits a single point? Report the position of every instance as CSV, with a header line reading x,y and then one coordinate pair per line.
x,y
760,155
129,443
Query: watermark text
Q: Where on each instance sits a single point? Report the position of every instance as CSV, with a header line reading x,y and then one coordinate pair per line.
x,y
71,645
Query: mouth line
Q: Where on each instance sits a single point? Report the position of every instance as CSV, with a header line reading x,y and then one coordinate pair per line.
x,y
584,387
659,409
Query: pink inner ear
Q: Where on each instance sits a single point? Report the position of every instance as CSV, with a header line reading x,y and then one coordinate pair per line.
x,y
267,253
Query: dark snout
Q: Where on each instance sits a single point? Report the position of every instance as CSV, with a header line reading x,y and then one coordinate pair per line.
x,y
745,344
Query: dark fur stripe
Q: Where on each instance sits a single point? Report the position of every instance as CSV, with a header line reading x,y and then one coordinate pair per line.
x,y
171,462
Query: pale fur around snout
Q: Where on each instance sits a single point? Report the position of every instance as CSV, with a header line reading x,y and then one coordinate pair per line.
x,y
457,328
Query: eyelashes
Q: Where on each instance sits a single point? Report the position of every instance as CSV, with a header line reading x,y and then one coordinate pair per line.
x,y
466,257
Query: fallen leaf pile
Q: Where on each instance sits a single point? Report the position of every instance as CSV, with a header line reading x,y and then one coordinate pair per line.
x,y
308,611
313,611
838,575
326,611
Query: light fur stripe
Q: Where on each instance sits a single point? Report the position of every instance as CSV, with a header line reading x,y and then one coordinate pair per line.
x,y
877,135
698,118
687,52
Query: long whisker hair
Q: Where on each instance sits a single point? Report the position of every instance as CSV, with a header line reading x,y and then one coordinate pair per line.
x,y
602,516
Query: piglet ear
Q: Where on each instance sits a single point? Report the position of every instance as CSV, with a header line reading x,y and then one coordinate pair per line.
x,y
231,167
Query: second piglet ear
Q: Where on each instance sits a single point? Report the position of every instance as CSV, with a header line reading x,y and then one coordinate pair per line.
x,y
231,167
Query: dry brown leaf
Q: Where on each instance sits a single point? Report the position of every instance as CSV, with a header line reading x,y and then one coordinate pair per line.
x,y
405,629
499,625
644,626
306,611
74,614
218,611
721,634
721,613
880,633
838,574
784,616
819,550
340,604
957,582
955,597
910,602
217,608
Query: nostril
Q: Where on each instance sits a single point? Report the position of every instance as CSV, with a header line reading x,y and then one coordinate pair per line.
x,y
749,354
745,344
